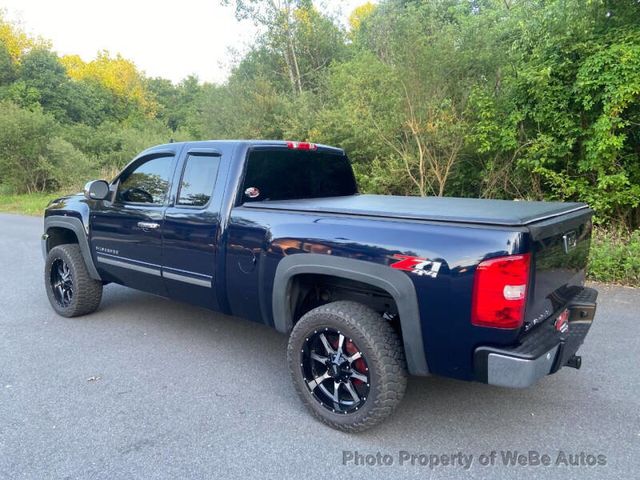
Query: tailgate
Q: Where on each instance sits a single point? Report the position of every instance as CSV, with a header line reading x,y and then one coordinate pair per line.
x,y
560,253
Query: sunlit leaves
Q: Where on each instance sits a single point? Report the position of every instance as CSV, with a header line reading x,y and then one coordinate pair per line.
x,y
117,74
15,40
360,14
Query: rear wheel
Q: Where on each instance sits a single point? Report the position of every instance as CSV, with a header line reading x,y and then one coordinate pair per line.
x,y
347,365
70,289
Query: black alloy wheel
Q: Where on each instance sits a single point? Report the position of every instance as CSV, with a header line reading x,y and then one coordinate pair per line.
x,y
335,371
347,365
70,289
61,282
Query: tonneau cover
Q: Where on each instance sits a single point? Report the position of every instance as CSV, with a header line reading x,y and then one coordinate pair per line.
x,y
445,209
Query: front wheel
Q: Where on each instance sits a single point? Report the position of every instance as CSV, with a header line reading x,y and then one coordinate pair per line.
x,y
71,290
348,365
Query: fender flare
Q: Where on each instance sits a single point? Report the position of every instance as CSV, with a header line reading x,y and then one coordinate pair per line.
x,y
396,283
75,225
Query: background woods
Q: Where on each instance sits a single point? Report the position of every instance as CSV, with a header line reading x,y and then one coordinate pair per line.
x,y
531,99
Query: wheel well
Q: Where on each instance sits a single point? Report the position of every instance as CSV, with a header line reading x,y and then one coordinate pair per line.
x,y
60,236
309,291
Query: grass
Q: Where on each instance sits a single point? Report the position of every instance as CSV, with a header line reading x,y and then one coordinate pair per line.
x,y
614,257
25,204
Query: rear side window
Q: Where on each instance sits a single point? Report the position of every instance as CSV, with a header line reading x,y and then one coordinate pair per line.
x,y
294,174
198,179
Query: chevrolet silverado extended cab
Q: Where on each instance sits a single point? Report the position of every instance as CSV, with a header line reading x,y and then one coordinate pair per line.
x,y
369,288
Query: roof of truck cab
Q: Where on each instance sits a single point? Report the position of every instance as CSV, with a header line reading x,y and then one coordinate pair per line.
x,y
174,146
446,209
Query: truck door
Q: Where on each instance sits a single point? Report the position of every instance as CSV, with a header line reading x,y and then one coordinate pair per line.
x,y
126,234
191,229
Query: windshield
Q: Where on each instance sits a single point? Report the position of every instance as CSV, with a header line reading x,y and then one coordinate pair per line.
x,y
293,174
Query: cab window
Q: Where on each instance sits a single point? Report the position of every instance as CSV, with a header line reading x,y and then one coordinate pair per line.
x,y
198,180
147,183
292,174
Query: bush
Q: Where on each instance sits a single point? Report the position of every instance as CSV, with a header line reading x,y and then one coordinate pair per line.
x,y
615,257
24,139
70,167
33,155
113,145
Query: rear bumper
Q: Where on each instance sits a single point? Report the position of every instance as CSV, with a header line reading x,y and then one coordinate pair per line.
x,y
542,352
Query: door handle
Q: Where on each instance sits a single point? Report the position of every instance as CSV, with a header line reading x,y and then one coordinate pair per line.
x,y
148,225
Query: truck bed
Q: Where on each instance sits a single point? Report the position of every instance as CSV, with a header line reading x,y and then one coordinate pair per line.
x,y
444,209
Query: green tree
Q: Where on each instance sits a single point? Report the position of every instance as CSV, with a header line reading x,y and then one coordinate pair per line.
x,y
33,157
241,109
7,69
535,99
299,40
277,18
41,71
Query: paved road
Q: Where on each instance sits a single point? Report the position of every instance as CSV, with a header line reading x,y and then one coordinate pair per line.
x,y
148,388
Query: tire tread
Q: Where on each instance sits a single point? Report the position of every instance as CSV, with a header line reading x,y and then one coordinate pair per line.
x,y
87,291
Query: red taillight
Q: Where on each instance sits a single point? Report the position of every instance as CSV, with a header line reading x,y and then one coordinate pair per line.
x,y
302,146
500,292
562,321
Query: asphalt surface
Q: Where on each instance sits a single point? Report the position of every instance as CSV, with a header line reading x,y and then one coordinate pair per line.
x,y
149,388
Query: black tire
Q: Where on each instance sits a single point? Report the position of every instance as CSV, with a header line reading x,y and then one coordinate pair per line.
x,y
84,292
380,349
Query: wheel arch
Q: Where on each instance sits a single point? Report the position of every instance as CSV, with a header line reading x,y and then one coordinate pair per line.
x,y
60,230
397,284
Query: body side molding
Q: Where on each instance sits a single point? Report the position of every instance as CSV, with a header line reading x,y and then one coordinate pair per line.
x,y
75,225
396,283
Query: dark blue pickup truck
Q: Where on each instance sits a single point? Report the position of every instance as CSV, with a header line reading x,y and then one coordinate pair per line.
x,y
369,288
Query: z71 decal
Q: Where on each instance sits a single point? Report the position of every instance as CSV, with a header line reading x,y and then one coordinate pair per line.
x,y
417,265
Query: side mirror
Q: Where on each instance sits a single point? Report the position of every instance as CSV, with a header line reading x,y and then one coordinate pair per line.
x,y
96,190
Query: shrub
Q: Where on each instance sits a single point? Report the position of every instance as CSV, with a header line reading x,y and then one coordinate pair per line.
x,y
615,257
24,139
70,167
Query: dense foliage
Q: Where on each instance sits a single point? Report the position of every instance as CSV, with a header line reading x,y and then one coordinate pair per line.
x,y
615,258
534,99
